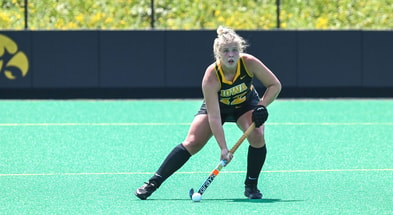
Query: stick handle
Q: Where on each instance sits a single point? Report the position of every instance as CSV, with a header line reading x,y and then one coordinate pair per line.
x,y
244,136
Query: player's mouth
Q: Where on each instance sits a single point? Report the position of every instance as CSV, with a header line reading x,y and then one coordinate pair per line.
x,y
231,61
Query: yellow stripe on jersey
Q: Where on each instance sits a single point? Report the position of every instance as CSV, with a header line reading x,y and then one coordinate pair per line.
x,y
224,80
244,65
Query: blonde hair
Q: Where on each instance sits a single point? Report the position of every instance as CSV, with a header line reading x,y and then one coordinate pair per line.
x,y
227,35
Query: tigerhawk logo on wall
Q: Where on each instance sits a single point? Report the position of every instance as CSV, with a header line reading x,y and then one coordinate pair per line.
x,y
14,63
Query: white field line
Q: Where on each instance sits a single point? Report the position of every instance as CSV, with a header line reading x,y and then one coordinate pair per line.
x,y
223,172
175,124
88,124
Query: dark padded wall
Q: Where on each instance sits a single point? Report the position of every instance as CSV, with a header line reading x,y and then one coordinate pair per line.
x,y
187,55
171,64
329,59
131,59
65,59
377,59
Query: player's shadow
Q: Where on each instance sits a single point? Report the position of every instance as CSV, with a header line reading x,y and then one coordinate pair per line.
x,y
259,200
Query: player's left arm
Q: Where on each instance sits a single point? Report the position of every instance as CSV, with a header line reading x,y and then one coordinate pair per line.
x,y
265,76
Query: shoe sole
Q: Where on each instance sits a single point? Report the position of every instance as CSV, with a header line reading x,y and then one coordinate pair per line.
x,y
142,197
250,196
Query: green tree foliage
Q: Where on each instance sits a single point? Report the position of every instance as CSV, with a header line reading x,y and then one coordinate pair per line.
x,y
197,14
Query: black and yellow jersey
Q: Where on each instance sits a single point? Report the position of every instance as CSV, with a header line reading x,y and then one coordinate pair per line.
x,y
236,96
234,93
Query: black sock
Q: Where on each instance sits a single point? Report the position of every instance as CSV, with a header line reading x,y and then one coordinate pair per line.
x,y
175,159
255,160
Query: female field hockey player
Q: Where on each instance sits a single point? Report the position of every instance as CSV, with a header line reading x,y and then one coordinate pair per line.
x,y
229,96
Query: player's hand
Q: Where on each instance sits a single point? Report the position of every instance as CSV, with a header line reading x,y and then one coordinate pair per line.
x,y
226,155
259,115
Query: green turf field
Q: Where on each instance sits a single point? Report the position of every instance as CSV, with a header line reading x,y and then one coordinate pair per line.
x,y
89,156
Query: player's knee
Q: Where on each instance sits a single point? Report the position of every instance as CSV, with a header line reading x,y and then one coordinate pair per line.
x,y
257,138
190,141
192,146
258,134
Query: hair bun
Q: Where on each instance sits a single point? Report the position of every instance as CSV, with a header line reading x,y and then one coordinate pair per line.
x,y
222,30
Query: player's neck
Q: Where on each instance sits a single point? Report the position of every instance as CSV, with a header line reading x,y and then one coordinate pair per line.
x,y
228,69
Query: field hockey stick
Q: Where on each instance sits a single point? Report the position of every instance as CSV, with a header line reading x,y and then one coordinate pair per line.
x,y
222,163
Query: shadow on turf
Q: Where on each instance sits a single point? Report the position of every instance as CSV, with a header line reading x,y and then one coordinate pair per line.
x,y
266,201
254,200
258,200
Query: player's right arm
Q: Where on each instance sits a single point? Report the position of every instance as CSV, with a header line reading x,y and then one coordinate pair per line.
x,y
210,88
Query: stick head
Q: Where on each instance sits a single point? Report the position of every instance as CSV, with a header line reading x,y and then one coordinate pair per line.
x,y
191,192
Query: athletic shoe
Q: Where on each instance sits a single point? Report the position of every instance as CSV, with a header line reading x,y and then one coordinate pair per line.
x,y
146,190
252,192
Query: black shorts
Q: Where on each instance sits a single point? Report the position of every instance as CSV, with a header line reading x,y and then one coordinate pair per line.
x,y
232,113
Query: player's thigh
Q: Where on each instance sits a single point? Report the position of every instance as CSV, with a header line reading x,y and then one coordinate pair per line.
x,y
198,134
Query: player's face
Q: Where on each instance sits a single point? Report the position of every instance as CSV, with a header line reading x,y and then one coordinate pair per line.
x,y
229,54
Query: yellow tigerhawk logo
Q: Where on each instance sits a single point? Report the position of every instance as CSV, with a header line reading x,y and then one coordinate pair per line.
x,y
13,63
234,95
